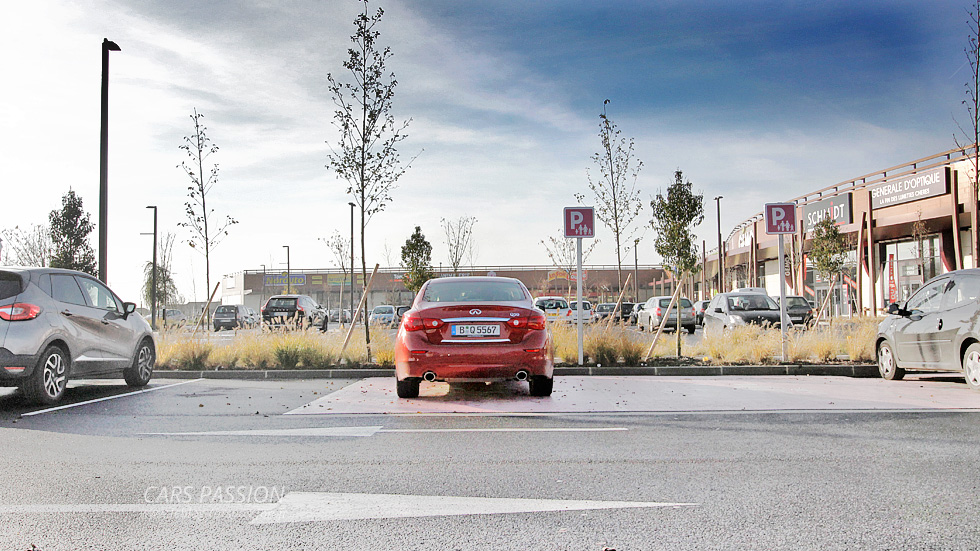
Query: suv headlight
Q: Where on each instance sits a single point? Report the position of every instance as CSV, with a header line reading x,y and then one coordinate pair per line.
x,y
735,319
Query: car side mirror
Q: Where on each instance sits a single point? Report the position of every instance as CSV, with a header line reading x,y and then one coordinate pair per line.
x,y
128,308
718,311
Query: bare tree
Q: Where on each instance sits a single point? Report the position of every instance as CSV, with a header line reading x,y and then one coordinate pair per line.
x,y
167,292
206,234
972,132
459,240
614,188
340,246
29,247
562,252
366,157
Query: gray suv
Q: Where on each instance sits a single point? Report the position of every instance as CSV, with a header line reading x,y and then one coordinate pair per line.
x,y
60,324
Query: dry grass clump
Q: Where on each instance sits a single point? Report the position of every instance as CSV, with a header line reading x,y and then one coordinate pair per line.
x,y
751,344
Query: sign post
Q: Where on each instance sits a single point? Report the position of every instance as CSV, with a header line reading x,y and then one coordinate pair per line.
x,y
580,224
781,219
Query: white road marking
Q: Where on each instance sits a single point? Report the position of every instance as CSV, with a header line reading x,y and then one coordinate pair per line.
x,y
312,431
320,507
369,431
141,391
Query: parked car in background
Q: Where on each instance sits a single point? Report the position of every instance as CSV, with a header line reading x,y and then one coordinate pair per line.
x,y
727,310
625,311
936,329
656,309
799,310
231,316
383,314
586,313
473,328
555,308
635,313
340,315
604,310
294,310
699,307
57,325
171,317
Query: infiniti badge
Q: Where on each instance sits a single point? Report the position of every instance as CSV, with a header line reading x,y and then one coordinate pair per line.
x,y
475,312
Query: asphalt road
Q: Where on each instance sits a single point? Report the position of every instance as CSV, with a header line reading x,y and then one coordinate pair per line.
x,y
621,463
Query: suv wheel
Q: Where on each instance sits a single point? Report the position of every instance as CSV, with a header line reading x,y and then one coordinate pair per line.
x,y
408,388
539,385
47,384
141,371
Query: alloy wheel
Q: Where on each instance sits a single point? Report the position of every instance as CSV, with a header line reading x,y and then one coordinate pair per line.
x,y
54,375
971,368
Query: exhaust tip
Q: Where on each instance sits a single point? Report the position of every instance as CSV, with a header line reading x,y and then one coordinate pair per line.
x,y
521,375
429,376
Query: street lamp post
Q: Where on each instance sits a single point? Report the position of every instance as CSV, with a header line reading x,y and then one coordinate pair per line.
x,y
288,272
107,46
153,281
721,253
262,302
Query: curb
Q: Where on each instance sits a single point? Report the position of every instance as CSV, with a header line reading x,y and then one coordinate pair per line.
x,y
859,370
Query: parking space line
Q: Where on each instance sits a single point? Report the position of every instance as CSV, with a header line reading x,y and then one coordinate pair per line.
x,y
141,391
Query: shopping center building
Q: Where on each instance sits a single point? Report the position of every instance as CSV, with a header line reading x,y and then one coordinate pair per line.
x,y
905,224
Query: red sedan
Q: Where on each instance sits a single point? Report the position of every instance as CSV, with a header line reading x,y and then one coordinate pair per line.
x,y
464,329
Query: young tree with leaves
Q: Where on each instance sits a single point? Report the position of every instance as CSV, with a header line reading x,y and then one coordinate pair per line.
x,y
617,201
562,251
417,261
70,228
675,214
30,247
828,253
366,157
206,232
459,240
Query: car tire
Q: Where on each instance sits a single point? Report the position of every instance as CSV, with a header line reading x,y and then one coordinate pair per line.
x,y
691,329
887,365
47,384
539,385
408,388
140,373
971,366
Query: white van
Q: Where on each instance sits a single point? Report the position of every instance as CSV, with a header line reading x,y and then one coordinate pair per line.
x,y
555,308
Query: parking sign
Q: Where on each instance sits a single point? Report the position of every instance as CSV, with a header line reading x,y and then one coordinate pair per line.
x,y
780,218
579,222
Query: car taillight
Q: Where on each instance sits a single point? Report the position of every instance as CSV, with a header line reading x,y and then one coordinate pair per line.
x,y
415,322
536,321
20,311
517,323
658,311
300,309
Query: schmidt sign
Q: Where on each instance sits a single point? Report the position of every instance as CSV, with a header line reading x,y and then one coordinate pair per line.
x,y
911,188
838,208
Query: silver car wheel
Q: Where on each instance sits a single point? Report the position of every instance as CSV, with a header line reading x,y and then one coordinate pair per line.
x,y
54,375
971,367
145,362
886,362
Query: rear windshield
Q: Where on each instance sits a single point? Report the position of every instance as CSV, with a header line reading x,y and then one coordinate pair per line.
x,y
551,304
9,285
751,302
665,302
384,309
797,301
473,291
282,302
226,310
605,308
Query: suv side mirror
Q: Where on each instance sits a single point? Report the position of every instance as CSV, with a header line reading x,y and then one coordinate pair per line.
x,y
128,308
718,311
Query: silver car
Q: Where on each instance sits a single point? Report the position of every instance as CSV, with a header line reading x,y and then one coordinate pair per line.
x,y
936,329
60,324
655,309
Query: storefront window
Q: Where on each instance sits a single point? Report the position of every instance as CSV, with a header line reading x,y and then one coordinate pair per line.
x,y
909,264
843,301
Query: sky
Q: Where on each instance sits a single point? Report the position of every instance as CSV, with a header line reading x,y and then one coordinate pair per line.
x,y
757,101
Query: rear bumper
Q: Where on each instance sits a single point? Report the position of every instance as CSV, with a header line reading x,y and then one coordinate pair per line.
x,y
14,368
474,362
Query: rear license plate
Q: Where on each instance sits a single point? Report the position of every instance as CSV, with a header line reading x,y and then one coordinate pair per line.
x,y
472,330
281,314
